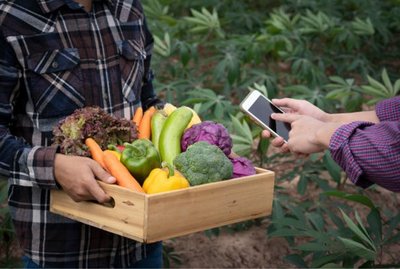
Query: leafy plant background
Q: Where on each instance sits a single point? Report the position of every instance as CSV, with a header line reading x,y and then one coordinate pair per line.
x,y
339,55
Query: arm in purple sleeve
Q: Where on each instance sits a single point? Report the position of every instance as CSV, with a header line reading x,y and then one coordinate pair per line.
x,y
369,153
389,109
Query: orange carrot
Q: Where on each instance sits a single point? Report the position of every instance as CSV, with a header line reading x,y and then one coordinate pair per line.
x,y
137,117
120,172
145,123
95,151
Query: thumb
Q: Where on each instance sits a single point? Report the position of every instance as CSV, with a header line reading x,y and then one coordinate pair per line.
x,y
285,117
102,174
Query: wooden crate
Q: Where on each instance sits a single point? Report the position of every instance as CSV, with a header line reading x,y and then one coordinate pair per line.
x,y
150,218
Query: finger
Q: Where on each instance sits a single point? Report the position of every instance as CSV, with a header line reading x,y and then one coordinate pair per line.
x,y
98,193
266,133
286,117
286,102
102,174
285,148
278,142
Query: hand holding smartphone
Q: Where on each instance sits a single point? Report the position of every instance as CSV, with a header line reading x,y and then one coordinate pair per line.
x,y
260,108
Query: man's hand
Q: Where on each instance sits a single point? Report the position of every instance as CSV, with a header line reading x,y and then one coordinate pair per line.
x,y
77,176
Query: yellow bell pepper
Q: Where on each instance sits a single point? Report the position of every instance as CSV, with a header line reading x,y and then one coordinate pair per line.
x,y
164,179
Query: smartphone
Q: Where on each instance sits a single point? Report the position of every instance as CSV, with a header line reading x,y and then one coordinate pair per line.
x,y
260,108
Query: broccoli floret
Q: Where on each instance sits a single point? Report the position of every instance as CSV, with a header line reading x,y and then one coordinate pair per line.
x,y
203,163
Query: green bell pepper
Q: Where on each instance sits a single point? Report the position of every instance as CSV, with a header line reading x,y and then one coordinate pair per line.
x,y
140,157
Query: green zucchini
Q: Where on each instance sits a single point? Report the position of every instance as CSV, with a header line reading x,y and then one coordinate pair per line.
x,y
170,138
157,122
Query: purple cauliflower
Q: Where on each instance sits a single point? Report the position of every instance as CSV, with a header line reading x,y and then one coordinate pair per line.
x,y
242,167
209,131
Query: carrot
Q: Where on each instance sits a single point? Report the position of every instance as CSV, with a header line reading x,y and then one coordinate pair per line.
x,y
145,123
137,117
120,172
95,151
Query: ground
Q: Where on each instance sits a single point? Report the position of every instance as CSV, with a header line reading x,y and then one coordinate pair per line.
x,y
253,248
247,249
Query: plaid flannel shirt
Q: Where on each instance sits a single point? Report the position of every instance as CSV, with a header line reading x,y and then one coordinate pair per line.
x,y
370,153
55,58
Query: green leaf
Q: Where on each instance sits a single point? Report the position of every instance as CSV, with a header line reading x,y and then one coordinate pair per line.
x,y
364,231
326,261
241,129
396,88
362,199
358,249
317,220
333,168
375,224
361,27
377,85
386,81
358,230
296,260
163,47
302,185
291,222
314,247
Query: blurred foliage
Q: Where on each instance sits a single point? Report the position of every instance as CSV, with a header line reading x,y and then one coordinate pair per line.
x,y
339,55
7,234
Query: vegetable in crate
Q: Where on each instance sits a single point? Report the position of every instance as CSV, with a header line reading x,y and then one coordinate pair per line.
x,y
203,163
169,108
140,157
157,123
94,122
169,143
209,131
165,179
242,167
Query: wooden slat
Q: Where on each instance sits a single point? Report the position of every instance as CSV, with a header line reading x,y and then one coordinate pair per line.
x,y
126,218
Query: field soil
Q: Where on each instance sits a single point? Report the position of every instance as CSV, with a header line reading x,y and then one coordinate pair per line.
x,y
252,248
245,249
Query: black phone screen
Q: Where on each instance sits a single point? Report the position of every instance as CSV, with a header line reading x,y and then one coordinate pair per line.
x,y
262,109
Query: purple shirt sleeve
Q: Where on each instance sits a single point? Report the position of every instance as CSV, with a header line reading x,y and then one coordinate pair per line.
x,y
370,153
389,109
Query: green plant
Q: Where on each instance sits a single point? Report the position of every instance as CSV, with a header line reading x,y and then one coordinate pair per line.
x,y
169,255
7,234
330,237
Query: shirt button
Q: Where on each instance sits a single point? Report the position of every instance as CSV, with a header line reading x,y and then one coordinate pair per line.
x,y
54,64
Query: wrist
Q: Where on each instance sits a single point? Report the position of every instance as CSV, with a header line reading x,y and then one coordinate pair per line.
x,y
323,135
326,117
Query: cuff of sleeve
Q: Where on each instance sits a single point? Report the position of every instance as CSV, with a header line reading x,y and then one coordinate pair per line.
x,y
41,166
340,150
386,110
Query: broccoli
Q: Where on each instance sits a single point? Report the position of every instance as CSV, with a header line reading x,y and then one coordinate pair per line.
x,y
203,163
